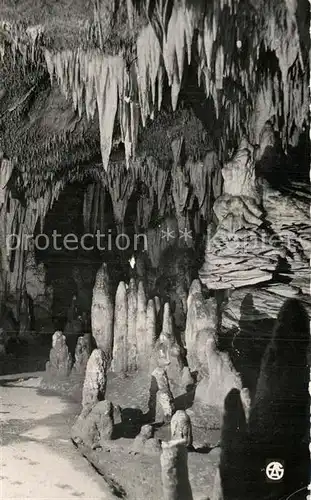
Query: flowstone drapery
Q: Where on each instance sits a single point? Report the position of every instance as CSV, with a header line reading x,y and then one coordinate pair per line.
x,y
240,252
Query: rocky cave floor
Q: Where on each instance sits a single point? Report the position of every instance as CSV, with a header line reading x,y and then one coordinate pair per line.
x,y
37,417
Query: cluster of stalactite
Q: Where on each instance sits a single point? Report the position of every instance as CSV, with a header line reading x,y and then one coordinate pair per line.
x,y
230,66
18,222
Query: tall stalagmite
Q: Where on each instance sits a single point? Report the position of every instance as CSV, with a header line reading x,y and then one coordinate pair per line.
x,y
141,325
131,330
120,345
102,312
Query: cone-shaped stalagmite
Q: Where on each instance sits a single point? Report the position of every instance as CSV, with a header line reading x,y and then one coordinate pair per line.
x,y
60,362
131,331
167,328
174,465
141,325
119,358
102,313
181,427
94,388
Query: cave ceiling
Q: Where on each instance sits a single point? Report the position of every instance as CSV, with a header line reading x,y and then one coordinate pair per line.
x,y
90,86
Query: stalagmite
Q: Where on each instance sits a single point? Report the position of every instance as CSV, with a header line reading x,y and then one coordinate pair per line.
x,y
95,428
200,326
94,388
174,465
82,354
161,402
102,313
167,328
60,363
120,345
141,326
150,326
131,331
181,427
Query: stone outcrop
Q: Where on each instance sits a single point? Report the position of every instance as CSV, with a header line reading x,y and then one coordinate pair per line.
x,y
96,428
174,466
60,363
82,354
241,252
94,387
145,443
181,428
102,313
120,358
161,402
222,377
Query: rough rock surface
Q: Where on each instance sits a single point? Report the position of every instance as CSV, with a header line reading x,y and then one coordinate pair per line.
x,y
131,332
240,253
181,427
96,428
82,354
161,402
119,358
102,313
174,465
146,443
60,363
94,387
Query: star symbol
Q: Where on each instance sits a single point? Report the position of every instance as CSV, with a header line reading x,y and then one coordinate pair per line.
x,y
167,234
185,234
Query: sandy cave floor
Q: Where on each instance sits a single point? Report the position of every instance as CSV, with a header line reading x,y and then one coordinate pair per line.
x,y
37,458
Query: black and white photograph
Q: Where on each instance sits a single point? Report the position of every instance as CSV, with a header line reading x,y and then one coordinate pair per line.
x,y
155,242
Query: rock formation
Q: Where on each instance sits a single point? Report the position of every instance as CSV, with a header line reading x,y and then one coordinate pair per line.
x,y
102,313
240,253
181,428
96,428
200,326
94,387
161,403
60,363
82,354
120,345
141,326
146,443
131,332
174,465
